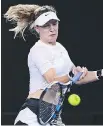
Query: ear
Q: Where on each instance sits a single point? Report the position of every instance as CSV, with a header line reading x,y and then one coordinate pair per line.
x,y
36,29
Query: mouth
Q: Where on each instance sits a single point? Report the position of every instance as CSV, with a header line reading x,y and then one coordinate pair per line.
x,y
52,35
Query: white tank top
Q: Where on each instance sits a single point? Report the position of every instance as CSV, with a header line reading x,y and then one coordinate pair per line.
x,y
41,58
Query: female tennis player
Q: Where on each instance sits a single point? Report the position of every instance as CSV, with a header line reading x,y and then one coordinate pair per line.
x,y
48,60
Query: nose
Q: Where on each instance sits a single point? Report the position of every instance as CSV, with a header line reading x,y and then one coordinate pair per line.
x,y
52,28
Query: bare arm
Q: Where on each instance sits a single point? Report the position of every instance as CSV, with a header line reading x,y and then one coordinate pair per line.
x,y
88,76
51,76
91,76
63,79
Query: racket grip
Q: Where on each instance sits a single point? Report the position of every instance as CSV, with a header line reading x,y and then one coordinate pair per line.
x,y
57,107
76,77
57,110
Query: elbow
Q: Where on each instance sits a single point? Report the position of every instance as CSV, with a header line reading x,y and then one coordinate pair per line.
x,y
50,80
50,75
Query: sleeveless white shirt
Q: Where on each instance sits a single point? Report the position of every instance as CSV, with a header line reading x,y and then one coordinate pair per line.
x,y
41,58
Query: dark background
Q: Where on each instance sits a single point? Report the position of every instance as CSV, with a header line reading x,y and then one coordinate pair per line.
x,y
81,32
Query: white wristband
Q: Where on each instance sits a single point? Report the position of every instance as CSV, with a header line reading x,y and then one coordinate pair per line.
x,y
96,75
99,74
102,72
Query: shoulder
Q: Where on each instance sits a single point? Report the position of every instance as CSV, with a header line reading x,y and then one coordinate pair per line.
x,y
37,48
40,50
61,46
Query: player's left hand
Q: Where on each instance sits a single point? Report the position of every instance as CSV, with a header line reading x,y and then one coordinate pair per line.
x,y
80,69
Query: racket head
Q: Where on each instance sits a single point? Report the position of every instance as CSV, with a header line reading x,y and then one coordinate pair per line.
x,y
49,103
51,100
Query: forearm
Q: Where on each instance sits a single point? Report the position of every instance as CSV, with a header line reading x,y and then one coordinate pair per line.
x,y
91,77
63,79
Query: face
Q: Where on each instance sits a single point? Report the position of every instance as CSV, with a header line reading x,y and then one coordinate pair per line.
x,y
49,31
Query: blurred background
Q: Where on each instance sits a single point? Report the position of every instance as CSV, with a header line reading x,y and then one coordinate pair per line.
x,y
81,32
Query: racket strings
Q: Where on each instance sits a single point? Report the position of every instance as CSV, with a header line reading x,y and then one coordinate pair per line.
x,y
55,121
46,113
50,104
47,107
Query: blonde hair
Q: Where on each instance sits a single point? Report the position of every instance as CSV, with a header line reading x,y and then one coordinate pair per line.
x,y
24,15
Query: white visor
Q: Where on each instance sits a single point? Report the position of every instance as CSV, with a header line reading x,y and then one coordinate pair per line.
x,y
44,18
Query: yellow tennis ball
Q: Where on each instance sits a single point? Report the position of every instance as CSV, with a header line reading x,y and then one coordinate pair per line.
x,y
74,99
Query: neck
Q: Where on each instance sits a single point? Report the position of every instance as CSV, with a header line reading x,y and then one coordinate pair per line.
x,y
48,43
52,43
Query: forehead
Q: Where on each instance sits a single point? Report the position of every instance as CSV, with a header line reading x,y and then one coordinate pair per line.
x,y
51,22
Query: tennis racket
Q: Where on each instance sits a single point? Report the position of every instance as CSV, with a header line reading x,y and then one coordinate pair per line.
x,y
51,100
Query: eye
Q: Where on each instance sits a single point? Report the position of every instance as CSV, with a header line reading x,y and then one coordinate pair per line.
x,y
46,25
54,23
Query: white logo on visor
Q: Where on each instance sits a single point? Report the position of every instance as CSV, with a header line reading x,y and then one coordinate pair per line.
x,y
46,14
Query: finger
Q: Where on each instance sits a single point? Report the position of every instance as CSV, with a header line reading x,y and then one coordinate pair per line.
x,y
79,69
84,70
75,70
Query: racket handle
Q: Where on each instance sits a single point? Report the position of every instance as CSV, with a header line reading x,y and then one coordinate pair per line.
x,y
57,107
57,110
76,77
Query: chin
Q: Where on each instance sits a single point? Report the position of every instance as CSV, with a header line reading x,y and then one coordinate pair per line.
x,y
53,40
